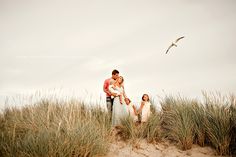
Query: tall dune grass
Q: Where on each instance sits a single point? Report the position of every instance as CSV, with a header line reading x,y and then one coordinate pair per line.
x,y
72,128
54,129
199,119
218,125
134,132
233,124
190,121
177,122
151,129
128,129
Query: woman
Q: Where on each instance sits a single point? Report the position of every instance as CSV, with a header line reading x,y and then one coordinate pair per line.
x,y
119,106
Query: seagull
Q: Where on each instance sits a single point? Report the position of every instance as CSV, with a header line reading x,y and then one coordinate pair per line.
x,y
174,44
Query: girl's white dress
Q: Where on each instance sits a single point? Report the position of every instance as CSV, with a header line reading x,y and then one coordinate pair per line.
x,y
146,112
131,112
113,89
119,110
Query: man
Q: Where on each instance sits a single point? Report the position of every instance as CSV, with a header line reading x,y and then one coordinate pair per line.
x,y
107,82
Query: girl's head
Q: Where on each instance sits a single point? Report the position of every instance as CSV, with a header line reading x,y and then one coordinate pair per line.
x,y
120,79
145,97
127,101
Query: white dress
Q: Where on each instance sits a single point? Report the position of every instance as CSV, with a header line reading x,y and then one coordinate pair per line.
x,y
146,112
131,112
113,89
119,110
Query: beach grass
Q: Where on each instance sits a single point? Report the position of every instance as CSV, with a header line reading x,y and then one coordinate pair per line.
x,y
74,128
54,129
177,121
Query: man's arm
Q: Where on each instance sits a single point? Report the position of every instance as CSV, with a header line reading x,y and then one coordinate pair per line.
x,y
105,87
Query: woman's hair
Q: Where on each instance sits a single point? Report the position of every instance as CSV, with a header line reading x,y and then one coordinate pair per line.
x,y
145,95
122,79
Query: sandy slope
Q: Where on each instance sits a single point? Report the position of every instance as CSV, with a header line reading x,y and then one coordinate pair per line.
x,y
163,149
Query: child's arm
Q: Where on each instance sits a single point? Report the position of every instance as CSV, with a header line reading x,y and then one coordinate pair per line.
x,y
141,107
135,111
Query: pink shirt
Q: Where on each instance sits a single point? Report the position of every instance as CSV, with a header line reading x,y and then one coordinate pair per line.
x,y
105,87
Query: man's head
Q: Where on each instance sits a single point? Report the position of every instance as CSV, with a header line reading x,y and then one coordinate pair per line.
x,y
115,74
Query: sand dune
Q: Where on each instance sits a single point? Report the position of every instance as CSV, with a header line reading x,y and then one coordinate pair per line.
x,y
162,149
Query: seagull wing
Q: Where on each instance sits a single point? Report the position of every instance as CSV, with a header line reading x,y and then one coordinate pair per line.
x,y
169,48
179,39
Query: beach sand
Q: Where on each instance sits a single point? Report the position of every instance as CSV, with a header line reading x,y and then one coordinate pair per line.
x,y
163,149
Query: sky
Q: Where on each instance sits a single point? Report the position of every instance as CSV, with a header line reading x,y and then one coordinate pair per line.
x,y
73,46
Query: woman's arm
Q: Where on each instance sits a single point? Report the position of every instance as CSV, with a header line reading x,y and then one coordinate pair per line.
x,y
124,94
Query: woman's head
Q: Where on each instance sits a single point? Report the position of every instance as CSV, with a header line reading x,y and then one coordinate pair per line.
x,y
145,97
120,80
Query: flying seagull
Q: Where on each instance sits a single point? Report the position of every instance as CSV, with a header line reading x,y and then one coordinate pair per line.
x,y
174,44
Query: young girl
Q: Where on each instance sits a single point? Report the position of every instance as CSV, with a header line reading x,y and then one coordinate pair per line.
x,y
145,108
112,89
131,109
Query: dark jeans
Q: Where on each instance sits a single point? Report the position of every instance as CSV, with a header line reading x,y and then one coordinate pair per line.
x,y
109,101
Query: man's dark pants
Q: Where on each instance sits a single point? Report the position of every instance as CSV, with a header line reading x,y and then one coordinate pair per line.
x,y
109,101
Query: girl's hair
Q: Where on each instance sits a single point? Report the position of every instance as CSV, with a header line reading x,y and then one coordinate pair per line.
x,y
128,99
145,95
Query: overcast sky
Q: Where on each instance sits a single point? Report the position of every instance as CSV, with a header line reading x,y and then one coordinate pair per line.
x,y
74,46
